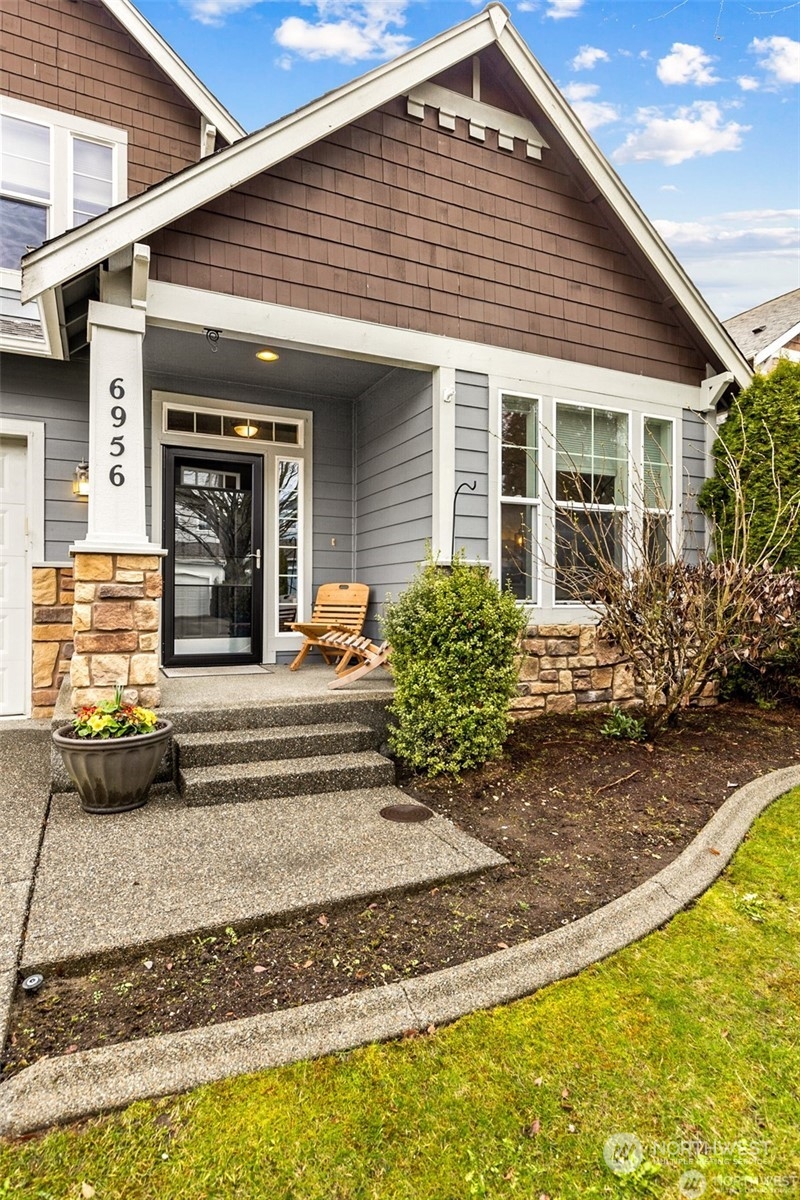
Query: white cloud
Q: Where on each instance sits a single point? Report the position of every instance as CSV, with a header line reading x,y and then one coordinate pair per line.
x,y
593,113
214,12
347,30
668,187
559,9
686,64
738,258
747,83
781,57
588,57
695,131
527,6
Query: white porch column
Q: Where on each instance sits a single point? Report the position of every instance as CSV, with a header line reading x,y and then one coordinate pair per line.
x,y
116,518
444,461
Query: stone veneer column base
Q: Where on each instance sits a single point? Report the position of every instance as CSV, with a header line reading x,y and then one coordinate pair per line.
x,y
115,622
564,668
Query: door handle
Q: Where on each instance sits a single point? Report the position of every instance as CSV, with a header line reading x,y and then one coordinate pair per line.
x,y
257,556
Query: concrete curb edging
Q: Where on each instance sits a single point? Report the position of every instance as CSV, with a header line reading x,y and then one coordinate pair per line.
x,y
68,1088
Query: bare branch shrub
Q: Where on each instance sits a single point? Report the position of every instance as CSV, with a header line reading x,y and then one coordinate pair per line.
x,y
683,624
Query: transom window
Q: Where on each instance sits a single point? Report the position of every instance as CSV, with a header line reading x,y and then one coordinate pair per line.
x,y
248,427
520,496
56,171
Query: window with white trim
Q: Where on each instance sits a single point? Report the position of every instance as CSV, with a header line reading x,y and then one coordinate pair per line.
x,y
56,171
657,489
288,563
591,495
520,496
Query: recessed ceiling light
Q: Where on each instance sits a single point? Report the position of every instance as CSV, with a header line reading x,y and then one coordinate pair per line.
x,y
267,356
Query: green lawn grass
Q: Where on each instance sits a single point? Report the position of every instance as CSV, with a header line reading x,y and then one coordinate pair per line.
x,y
691,1036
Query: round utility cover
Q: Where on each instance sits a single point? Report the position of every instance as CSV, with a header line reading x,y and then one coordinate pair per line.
x,y
406,813
32,983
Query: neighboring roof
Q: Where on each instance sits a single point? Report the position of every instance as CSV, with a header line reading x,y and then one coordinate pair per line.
x,y
776,321
174,68
80,249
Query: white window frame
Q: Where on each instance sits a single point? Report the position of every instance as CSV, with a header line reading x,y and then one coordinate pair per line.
x,y
672,511
63,127
582,506
526,501
636,406
272,452
273,556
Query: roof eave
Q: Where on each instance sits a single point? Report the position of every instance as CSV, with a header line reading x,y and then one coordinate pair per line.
x,y
175,68
77,249
649,241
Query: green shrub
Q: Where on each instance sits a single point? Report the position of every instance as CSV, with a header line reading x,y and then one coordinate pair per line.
x,y
454,637
622,725
762,438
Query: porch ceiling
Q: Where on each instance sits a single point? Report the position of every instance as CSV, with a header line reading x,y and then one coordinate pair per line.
x,y
189,357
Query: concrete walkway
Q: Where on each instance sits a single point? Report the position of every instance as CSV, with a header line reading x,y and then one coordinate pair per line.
x,y
71,1087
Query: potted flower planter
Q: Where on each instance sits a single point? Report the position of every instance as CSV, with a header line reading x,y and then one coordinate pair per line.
x,y
112,752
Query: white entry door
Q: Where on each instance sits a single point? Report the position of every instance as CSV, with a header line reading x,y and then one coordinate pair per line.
x,y
15,666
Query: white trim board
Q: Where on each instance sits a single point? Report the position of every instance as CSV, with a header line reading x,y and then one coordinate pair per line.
x,y
33,433
777,345
165,203
175,307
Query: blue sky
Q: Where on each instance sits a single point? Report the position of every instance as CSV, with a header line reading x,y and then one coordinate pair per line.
x,y
695,102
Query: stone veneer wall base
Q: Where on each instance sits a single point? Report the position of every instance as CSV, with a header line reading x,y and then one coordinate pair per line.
x,y
565,668
52,596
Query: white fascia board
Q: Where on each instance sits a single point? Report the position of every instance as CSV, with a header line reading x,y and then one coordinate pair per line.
x,y
776,346
175,68
548,97
172,306
84,247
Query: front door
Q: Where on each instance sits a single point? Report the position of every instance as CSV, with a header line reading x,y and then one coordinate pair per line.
x,y
213,532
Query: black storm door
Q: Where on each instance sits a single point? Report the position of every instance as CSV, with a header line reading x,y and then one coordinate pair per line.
x,y
213,532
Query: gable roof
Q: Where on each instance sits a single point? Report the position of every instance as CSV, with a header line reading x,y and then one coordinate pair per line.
x,y
82,248
761,331
174,68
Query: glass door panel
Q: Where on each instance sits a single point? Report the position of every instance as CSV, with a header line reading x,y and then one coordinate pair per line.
x,y
213,532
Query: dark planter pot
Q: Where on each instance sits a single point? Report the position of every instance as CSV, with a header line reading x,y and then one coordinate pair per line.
x,y
113,774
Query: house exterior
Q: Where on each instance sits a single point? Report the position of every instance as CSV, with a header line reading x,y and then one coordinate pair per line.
x,y
769,331
283,361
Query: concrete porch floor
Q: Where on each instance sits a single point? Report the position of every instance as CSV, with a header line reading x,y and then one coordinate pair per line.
x,y
276,684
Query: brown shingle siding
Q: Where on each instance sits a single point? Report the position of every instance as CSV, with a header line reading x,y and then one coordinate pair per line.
x,y
399,223
75,58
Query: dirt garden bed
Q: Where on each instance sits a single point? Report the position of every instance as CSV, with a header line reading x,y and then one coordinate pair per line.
x,y
581,819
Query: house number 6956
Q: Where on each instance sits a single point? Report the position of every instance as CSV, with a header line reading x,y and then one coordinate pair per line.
x,y
118,416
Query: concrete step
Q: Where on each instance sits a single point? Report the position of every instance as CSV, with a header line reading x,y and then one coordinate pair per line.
x,y
257,745
234,783
333,707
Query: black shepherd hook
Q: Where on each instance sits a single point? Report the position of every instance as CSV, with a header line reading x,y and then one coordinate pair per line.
x,y
471,487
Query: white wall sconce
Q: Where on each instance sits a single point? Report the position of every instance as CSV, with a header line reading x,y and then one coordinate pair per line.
x,y
80,480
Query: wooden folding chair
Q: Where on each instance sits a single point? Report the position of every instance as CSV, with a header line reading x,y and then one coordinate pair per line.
x,y
338,608
369,656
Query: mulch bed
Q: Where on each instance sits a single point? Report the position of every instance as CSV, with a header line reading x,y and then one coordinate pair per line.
x,y
581,819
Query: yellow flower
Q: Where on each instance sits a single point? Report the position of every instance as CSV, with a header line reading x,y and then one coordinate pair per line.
x,y
144,716
98,722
